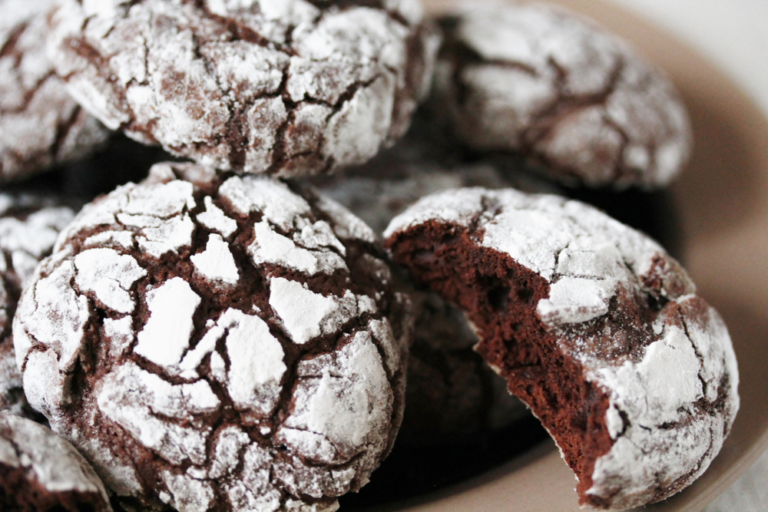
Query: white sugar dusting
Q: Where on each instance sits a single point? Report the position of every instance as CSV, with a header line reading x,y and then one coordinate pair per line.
x,y
156,214
40,124
165,337
36,234
120,334
346,225
109,276
54,315
256,358
29,225
306,314
334,418
271,247
272,198
188,494
228,446
214,219
121,239
132,398
216,262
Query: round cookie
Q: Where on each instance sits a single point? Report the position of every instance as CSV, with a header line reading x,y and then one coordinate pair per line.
x,y
41,471
217,343
540,81
593,326
280,87
29,225
40,125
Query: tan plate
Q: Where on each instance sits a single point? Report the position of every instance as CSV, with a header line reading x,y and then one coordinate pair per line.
x,y
722,200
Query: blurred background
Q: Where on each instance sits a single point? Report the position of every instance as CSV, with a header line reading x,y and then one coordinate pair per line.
x,y
732,34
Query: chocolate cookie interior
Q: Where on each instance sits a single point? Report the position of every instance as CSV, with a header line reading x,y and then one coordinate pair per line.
x,y
500,297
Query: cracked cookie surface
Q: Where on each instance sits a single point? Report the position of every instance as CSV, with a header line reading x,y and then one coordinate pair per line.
x,y
278,87
217,343
593,325
541,81
41,471
40,125
29,225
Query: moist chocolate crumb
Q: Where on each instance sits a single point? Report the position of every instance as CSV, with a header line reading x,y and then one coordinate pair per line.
x,y
451,393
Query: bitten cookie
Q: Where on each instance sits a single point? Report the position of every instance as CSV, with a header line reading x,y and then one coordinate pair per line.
x,y
41,471
29,225
219,343
541,81
594,327
40,125
276,87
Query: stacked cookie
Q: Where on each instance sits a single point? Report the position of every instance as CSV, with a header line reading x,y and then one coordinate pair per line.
x,y
225,335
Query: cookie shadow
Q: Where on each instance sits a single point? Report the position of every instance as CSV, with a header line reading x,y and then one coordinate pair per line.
x,y
414,474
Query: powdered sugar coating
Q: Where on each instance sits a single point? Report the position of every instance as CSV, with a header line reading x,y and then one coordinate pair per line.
x,y
216,262
197,369
540,80
451,393
282,88
40,125
306,314
165,337
29,225
50,467
673,397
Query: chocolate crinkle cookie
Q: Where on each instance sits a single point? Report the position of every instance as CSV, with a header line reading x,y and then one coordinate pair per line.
x,y
40,125
280,87
40,471
593,326
217,343
29,225
541,81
